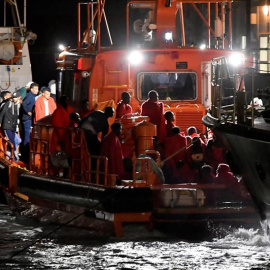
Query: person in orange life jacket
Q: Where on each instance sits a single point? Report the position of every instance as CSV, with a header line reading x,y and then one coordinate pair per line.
x,y
9,116
226,177
123,106
111,148
195,156
60,120
173,144
44,104
155,110
215,153
169,116
85,109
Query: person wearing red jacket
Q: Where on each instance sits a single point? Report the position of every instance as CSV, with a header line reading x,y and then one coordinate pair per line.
x,y
123,106
44,105
60,120
111,148
155,110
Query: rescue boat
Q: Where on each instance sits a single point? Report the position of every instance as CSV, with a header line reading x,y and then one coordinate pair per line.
x,y
161,56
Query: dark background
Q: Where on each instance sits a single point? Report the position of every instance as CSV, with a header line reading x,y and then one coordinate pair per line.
x,y
55,22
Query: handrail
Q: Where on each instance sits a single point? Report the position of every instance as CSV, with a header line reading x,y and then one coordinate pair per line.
x,y
4,143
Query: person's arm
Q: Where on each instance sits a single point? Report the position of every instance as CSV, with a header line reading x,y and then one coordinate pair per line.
x,y
3,111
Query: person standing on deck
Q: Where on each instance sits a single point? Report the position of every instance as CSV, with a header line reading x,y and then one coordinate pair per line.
x,y
9,116
96,122
123,106
60,120
111,148
169,116
27,113
155,110
44,104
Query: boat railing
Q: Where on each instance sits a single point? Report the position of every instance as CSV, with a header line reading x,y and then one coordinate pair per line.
x,y
6,148
75,163
229,97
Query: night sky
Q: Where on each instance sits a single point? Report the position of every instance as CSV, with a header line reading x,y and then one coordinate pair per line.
x,y
55,22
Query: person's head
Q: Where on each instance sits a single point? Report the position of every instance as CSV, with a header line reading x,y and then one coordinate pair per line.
x,y
34,87
109,111
126,97
191,130
169,116
75,117
176,130
206,170
46,93
6,95
85,104
153,95
52,86
16,96
116,128
196,142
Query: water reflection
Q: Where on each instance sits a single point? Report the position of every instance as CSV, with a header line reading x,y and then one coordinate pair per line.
x,y
70,248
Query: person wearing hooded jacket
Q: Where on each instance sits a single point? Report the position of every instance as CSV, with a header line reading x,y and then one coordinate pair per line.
x,y
9,116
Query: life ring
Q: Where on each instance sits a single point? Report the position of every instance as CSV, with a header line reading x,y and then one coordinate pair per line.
x,y
18,54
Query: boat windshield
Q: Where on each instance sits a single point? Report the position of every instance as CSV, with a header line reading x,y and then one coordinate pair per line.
x,y
169,85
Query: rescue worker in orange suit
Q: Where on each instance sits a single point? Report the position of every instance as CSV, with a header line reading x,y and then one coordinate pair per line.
x,y
111,148
169,116
174,149
44,105
60,120
123,106
155,110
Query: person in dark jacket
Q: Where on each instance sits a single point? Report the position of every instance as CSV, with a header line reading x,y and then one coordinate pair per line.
x,y
27,113
9,116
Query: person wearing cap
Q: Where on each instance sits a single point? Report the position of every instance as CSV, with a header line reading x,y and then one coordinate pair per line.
x,y
24,90
44,104
9,116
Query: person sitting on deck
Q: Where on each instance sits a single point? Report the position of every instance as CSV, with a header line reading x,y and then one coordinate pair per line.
x,y
111,148
123,106
226,177
155,110
174,150
44,105
169,116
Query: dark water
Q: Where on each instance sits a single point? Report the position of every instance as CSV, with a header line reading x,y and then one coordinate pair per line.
x,y
26,243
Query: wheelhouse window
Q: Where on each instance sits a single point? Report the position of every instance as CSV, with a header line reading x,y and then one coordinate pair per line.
x,y
173,86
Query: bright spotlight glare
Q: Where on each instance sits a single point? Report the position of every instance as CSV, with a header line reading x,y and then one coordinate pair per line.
x,y
203,46
61,47
135,58
265,10
236,59
168,36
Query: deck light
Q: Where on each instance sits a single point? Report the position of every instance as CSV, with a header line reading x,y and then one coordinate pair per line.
x,y
135,58
236,59
61,47
266,10
168,36
203,46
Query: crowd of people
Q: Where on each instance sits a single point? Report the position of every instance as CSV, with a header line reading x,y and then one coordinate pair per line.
x,y
187,156
19,110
